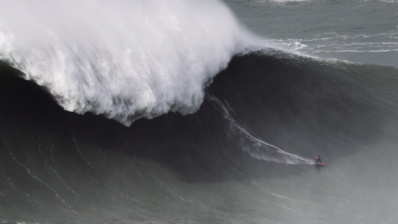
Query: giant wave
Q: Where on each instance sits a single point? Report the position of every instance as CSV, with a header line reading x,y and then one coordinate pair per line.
x,y
230,162
60,167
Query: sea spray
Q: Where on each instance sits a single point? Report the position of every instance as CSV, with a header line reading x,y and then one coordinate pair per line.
x,y
122,59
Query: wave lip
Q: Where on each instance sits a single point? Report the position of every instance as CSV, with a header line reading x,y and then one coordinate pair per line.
x,y
125,59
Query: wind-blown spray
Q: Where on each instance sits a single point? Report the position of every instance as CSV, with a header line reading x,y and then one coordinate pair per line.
x,y
122,59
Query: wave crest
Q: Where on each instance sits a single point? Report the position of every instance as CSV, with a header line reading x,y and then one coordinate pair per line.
x,y
122,59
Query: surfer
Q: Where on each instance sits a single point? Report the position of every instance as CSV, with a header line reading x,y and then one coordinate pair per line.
x,y
318,159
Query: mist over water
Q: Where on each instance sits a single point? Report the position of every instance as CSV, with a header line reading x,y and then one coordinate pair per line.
x,y
122,59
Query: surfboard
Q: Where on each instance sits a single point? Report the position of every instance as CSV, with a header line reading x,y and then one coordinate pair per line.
x,y
320,164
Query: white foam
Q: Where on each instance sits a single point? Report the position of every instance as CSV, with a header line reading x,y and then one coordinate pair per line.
x,y
124,59
335,43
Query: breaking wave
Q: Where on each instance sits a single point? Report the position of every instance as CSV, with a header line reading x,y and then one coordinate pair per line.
x,y
122,59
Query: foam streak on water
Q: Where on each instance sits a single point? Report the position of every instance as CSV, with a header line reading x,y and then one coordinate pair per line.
x,y
122,59
256,147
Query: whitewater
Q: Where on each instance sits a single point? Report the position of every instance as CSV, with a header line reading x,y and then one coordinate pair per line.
x,y
122,59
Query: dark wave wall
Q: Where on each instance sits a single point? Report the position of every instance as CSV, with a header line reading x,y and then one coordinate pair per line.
x,y
60,167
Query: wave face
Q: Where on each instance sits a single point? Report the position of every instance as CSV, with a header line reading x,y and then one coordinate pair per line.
x,y
122,59
227,163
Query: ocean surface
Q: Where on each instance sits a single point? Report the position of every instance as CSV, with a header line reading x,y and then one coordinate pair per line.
x,y
191,112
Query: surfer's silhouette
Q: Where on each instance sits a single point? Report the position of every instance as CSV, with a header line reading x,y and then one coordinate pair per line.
x,y
318,159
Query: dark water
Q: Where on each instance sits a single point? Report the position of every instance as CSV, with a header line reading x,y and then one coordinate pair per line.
x,y
60,167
